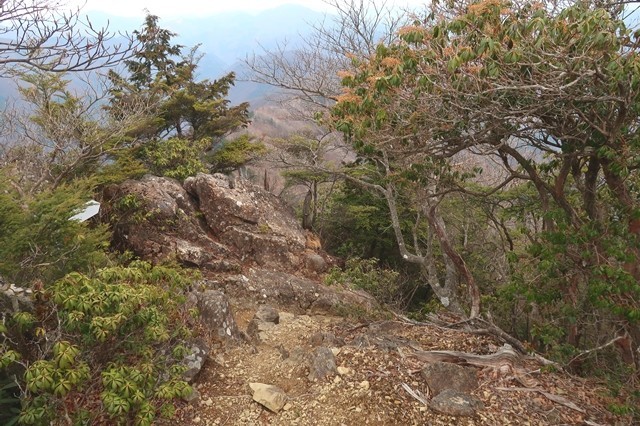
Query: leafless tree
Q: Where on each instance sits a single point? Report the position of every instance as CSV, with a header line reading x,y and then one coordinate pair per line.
x,y
309,72
43,34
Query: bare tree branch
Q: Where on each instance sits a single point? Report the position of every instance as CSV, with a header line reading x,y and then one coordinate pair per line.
x,y
42,34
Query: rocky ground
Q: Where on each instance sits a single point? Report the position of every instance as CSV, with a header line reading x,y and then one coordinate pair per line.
x,y
372,376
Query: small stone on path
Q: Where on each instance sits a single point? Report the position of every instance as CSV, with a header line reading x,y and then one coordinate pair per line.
x,y
272,397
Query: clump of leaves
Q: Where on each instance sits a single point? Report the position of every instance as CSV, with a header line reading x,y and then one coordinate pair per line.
x,y
113,336
9,401
235,153
365,274
176,158
37,239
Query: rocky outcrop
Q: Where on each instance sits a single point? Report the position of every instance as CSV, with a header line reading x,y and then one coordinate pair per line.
x,y
158,220
255,222
209,223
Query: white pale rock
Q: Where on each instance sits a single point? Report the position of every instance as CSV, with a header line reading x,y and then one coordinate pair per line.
x,y
272,397
343,371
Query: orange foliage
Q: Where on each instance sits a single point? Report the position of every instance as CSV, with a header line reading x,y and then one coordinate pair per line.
x,y
390,62
348,97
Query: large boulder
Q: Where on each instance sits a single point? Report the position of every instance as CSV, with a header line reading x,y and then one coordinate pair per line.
x,y
210,223
158,220
255,222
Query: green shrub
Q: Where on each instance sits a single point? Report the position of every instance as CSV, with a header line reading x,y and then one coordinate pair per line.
x,y
113,337
175,158
235,153
9,401
365,274
39,242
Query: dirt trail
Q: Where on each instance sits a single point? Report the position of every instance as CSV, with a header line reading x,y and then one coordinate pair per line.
x,y
374,361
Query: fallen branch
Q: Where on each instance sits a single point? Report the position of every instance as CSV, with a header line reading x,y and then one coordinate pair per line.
x,y
505,356
555,398
493,330
489,330
417,395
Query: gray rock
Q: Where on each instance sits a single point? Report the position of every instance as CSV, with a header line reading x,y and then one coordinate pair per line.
x,y
198,354
14,298
322,338
315,263
216,315
455,403
272,397
444,375
267,313
256,329
323,364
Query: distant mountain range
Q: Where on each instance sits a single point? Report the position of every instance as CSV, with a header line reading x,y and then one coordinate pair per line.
x,y
225,39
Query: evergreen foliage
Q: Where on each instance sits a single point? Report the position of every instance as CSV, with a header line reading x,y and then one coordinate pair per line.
x,y
186,117
112,336
39,242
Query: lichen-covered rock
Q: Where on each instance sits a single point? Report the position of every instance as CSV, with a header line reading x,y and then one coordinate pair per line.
x,y
204,223
158,220
323,364
194,361
455,403
259,224
445,375
216,315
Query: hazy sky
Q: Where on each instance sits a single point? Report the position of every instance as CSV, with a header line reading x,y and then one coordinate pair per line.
x,y
177,8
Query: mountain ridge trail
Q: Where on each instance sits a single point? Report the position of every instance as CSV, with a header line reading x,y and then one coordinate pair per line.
x,y
374,377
